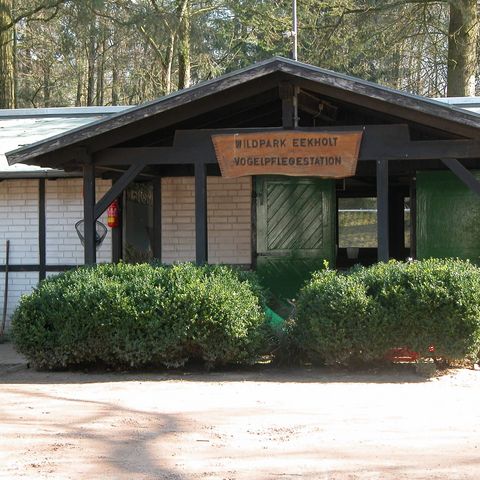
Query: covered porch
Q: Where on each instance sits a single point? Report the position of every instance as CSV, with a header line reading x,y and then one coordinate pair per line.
x,y
171,138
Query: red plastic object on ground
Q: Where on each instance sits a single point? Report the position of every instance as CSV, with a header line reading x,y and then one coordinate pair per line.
x,y
401,355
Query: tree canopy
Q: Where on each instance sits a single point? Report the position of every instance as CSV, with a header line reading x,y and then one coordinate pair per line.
x,y
110,52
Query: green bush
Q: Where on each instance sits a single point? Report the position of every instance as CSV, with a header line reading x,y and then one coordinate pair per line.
x,y
359,316
134,315
331,312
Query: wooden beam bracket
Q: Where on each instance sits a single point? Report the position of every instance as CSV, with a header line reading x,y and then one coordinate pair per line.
x,y
463,174
118,187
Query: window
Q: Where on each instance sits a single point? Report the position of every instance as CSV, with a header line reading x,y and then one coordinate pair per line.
x,y
357,222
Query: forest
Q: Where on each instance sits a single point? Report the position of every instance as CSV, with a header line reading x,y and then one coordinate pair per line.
x,y
124,52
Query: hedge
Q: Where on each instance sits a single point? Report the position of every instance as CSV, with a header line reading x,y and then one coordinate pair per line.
x,y
358,316
127,315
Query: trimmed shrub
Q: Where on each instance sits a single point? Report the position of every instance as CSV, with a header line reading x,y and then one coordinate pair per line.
x,y
359,316
432,302
132,315
332,310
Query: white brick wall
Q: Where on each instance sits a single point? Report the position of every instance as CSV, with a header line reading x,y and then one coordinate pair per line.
x,y
64,207
178,219
229,225
229,219
19,224
19,221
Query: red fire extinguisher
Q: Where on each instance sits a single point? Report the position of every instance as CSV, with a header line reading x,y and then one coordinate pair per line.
x,y
113,214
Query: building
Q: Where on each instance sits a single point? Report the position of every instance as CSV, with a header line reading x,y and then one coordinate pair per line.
x,y
276,167
38,205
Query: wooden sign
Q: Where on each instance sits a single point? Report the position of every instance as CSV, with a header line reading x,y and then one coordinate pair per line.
x,y
294,153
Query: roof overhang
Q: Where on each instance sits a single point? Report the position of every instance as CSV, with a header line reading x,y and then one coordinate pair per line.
x,y
25,126
231,87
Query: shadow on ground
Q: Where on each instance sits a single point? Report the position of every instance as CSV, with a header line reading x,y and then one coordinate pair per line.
x,y
397,374
124,447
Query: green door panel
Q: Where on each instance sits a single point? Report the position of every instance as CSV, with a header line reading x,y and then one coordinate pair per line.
x,y
448,217
295,230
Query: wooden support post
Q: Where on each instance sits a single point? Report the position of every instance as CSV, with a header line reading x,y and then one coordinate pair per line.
x,y
42,241
201,240
382,211
157,218
287,94
413,218
89,213
117,234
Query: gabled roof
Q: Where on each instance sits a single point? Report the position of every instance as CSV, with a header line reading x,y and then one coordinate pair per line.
x,y
399,104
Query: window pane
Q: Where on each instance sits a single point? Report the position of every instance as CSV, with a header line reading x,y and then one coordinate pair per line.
x,y
357,222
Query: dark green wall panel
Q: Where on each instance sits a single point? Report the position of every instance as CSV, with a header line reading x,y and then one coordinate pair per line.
x,y
448,217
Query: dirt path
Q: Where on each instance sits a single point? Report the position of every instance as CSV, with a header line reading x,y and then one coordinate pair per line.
x,y
257,425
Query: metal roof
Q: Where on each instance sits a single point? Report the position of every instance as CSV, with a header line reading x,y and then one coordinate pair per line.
x,y
471,104
21,127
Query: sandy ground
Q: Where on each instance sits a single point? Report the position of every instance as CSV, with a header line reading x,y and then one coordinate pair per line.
x,y
266,424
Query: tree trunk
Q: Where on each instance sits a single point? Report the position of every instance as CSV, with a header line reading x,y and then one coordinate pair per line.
x,y
78,96
15,68
462,48
91,51
169,65
184,44
101,70
115,95
115,68
7,67
46,85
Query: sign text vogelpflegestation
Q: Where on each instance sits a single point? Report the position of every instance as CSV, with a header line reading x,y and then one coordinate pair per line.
x,y
323,154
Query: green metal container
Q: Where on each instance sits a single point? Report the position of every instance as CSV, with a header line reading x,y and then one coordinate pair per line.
x,y
448,217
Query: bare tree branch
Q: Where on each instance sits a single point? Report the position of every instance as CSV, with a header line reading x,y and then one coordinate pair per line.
x,y
30,13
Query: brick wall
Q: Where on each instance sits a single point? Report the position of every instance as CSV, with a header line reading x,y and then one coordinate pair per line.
x,y
19,224
64,207
18,284
19,221
178,219
229,224
229,219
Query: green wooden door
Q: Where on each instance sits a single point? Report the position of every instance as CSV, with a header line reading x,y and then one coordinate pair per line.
x,y
295,230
